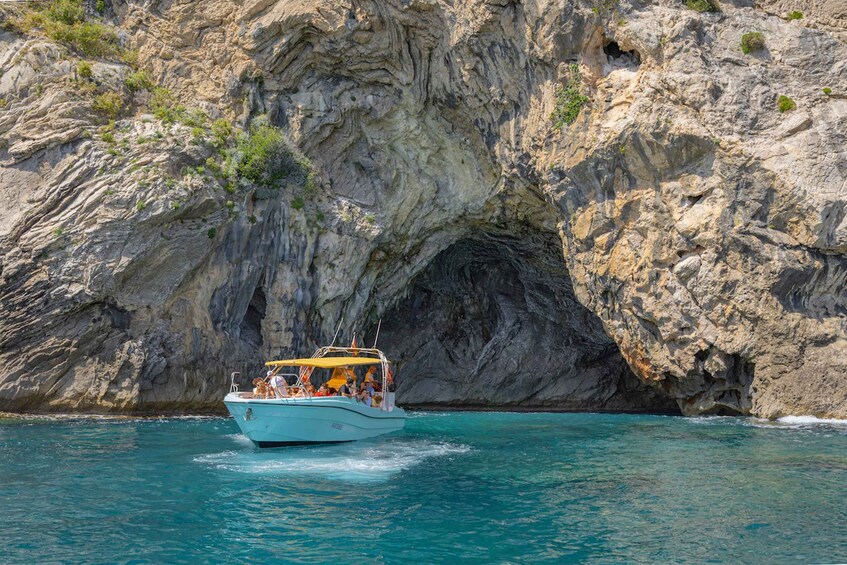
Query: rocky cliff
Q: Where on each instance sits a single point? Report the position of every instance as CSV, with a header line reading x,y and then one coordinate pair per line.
x,y
603,204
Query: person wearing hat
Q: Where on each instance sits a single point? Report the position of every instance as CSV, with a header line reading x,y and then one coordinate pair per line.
x,y
374,382
278,385
368,385
347,389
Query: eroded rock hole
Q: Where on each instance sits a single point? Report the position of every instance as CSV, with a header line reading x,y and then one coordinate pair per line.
x,y
251,325
493,321
618,57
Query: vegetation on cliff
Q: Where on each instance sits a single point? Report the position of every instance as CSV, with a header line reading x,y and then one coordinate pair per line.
x,y
64,21
569,99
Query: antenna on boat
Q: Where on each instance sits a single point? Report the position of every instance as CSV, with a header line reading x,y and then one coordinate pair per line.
x,y
377,332
336,332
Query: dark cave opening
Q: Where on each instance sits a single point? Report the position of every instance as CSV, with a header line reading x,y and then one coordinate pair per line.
x,y
493,321
251,325
619,57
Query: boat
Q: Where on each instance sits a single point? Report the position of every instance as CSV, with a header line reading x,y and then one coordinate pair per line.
x,y
303,418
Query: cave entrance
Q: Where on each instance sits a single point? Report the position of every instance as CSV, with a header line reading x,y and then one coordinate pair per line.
x,y
493,321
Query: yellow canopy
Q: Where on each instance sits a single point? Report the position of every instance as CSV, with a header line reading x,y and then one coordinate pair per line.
x,y
324,362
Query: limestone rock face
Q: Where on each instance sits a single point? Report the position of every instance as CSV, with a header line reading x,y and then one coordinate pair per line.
x,y
681,243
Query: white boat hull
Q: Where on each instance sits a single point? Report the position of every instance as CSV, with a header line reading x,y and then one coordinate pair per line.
x,y
300,421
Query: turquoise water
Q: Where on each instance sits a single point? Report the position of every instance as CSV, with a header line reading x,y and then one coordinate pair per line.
x,y
483,487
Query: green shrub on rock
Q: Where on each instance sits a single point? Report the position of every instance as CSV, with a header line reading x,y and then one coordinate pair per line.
x,y
752,41
66,11
784,103
83,70
89,38
703,5
109,103
569,100
139,80
221,130
795,15
262,155
827,90
163,105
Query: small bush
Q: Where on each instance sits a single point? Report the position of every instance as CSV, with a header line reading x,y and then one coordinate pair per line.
x,y
252,219
66,11
370,219
139,80
319,216
230,205
83,70
569,100
89,38
100,6
752,41
221,130
58,232
263,157
784,103
175,205
140,205
130,57
795,15
827,90
212,233
108,137
309,186
213,166
65,21
297,203
195,118
109,103
164,107
703,5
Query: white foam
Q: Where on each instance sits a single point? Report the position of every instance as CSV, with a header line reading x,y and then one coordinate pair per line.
x,y
811,420
350,462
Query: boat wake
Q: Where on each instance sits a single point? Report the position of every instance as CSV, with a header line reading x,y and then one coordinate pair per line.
x,y
357,461
810,421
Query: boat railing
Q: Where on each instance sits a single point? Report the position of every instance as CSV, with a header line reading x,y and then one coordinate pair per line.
x,y
383,361
233,386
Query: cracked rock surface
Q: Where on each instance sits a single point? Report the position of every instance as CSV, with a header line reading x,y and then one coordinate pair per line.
x,y
681,243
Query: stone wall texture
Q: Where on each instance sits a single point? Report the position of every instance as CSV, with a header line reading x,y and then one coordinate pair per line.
x,y
682,245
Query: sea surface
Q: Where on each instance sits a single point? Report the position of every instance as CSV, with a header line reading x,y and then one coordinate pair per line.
x,y
476,487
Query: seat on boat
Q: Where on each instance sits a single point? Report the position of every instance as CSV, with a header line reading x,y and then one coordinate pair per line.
x,y
339,377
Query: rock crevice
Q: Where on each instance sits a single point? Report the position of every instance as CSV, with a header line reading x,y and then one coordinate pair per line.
x,y
677,238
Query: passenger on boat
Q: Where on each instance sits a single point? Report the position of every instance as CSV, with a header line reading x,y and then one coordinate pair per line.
x,y
278,385
365,397
348,389
368,385
323,390
370,376
260,388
